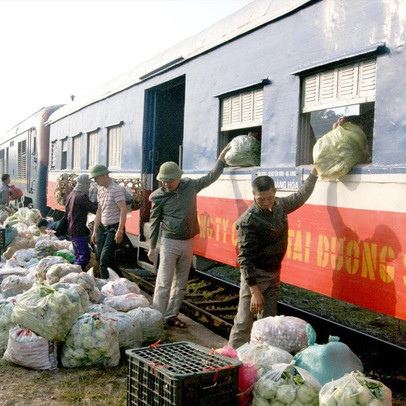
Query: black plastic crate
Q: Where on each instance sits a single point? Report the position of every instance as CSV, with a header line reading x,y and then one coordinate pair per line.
x,y
181,374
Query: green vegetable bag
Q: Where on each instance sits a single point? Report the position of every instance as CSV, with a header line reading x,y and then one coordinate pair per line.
x,y
355,389
44,311
93,340
245,151
340,150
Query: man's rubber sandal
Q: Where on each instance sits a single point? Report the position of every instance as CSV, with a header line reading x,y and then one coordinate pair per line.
x,y
176,323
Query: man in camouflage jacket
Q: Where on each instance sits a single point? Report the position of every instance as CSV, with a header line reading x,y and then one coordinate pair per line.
x,y
262,243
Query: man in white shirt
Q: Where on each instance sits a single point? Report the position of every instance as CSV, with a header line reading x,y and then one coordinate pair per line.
x,y
110,219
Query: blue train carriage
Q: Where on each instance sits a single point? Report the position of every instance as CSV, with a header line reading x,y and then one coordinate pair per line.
x,y
24,156
284,71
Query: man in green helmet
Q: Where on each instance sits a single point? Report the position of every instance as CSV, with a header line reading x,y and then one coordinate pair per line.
x,y
174,207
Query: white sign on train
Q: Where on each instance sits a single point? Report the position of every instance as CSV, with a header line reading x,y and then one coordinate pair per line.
x,y
287,179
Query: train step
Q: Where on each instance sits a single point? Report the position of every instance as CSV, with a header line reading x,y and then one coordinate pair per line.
x,y
147,266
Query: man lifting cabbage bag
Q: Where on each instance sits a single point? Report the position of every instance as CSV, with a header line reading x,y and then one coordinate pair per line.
x,y
174,206
262,243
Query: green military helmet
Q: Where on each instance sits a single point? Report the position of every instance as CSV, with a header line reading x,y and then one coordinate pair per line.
x,y
98,170
169,171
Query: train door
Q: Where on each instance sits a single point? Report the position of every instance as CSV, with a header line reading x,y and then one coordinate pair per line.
x,y
163,128
162,142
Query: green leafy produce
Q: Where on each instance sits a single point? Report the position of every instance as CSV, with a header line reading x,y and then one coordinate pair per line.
x,y
65,254
83,279
24,215
6,310
45,311
45,247
44,264
93,340
355,389
57,271
285,384
340,150
245,151
76,294
14,285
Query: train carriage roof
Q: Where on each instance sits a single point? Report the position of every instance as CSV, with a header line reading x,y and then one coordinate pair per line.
x,y
250,17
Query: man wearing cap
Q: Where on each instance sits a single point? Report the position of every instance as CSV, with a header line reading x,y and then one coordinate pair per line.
x,y
77,206
110,219
174,207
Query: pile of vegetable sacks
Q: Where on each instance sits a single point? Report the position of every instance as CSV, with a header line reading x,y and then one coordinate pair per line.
x,y
47,303
282,365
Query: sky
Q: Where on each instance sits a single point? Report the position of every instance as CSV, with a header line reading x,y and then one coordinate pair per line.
x,y
52,49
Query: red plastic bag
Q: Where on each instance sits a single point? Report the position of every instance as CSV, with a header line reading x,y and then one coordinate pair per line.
x,y
15,192
246,377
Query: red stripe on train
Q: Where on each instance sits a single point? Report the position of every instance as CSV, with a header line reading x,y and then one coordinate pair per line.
x,y
354,255
358,256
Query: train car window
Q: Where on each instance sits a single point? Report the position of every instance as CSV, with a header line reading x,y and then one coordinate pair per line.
x,y
114,147
53,154
22,160
347,90
64,154
241,114
76,141
92,148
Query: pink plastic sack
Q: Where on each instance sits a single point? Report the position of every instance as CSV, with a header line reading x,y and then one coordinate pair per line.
x,y
246,377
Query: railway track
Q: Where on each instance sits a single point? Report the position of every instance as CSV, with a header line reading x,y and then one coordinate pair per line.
x,y
213,302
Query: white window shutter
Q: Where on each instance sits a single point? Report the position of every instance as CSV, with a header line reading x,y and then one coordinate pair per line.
x,y
247,107
76,152
347,82
236,109
93,149
226,112
341,86
328,87
258,105
367,79
114,147
242,110
311,91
